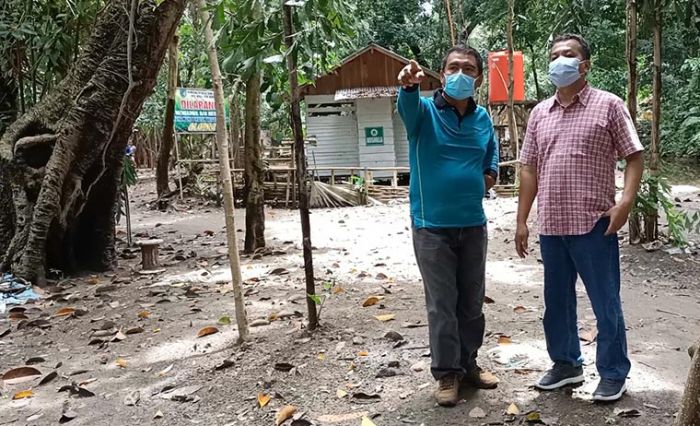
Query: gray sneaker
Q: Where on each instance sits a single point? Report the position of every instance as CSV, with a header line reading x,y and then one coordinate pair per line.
x,y
609,390
560,375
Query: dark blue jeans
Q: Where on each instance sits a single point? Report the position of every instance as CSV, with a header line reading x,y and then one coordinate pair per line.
x,y
596,259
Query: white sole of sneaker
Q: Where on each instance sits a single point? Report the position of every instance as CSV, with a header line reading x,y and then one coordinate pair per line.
x,y
611,397
568,381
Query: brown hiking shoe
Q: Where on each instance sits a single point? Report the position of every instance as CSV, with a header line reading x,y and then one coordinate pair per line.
x,y
481,379
447,393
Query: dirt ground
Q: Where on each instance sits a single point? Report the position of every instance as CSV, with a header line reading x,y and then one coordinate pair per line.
x,y
173,377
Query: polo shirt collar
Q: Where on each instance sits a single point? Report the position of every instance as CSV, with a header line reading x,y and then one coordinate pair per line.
x,y
441,103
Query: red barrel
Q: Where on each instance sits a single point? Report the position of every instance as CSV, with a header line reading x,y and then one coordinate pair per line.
x,y
499,78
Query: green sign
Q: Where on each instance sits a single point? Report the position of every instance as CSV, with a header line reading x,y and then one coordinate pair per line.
x,y
195,111
374,135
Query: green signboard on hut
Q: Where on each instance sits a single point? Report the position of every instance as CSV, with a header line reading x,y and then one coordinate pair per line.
x,y
374,135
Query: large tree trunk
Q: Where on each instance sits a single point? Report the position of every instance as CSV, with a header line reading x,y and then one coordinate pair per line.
x,y
225,172
651,220
635,221
689,414
168,139
62,160
254,170
302,176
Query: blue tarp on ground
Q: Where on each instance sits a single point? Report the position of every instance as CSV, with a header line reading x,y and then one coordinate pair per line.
x,y
15,291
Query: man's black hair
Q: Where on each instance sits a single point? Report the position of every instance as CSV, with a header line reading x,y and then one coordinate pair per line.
x,y
464,50
585,48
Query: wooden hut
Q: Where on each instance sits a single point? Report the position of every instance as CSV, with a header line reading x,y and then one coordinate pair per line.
x,y
351,114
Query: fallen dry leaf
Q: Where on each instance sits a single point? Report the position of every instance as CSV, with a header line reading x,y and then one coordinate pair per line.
x,y
158,415
520,309
121,362
144,314
322,357
337,289
17,316
135,330
118,337
367,422
363,353
64,312
504,340
206,331
371,300
285,413
488,300
341,393
49,377
263,399
20,375
385,317
166,370
477,413
533,416
513,410
225,320
23,394
588,336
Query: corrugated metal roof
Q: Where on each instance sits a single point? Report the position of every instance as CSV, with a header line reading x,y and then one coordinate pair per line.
x,y
366,93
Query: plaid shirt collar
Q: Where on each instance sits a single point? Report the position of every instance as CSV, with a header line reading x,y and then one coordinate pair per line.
x,y
582,97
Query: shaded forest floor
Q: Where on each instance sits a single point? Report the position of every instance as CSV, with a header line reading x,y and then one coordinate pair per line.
x,y
331,377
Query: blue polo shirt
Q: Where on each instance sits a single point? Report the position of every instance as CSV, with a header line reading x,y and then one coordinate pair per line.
x,y
448,155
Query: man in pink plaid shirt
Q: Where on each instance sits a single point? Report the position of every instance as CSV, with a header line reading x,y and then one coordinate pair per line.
x,y
573,142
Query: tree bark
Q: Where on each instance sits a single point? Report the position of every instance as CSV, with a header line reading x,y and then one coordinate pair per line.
x,y
689,414
651,219
168,139
635,225
300,159
62,160
538,89
225,167
254,170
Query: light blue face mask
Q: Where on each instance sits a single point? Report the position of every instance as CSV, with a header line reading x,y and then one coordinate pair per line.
x,y
563,71
459,86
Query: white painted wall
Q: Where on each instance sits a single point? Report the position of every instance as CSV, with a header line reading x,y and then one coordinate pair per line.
x,y
336,138
376,113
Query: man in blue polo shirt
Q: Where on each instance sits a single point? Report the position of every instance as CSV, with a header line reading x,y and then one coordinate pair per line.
x,y
454,160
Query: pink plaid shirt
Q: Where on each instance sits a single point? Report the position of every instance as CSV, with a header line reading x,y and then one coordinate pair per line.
x,y
575,150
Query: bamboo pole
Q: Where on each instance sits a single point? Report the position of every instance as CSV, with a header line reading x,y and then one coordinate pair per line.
x,y
225,172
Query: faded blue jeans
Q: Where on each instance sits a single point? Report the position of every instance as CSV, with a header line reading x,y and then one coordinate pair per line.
x,y
596,259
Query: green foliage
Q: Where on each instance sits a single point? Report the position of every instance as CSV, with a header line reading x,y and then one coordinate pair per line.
x,y
655,195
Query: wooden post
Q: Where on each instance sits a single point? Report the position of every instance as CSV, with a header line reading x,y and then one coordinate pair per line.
x,y
149,254
511,110
225,173
332,176
300,156
177,164
689,414
395,179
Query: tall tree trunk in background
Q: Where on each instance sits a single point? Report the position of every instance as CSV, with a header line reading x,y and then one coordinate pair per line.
x,y
689,414
254,171
62,160
225,172
512,125
651,220
168,139
538,89
635,221
8,101
302,177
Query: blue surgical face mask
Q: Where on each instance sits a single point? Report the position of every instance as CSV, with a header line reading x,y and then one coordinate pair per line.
x,y
563,71
459,86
